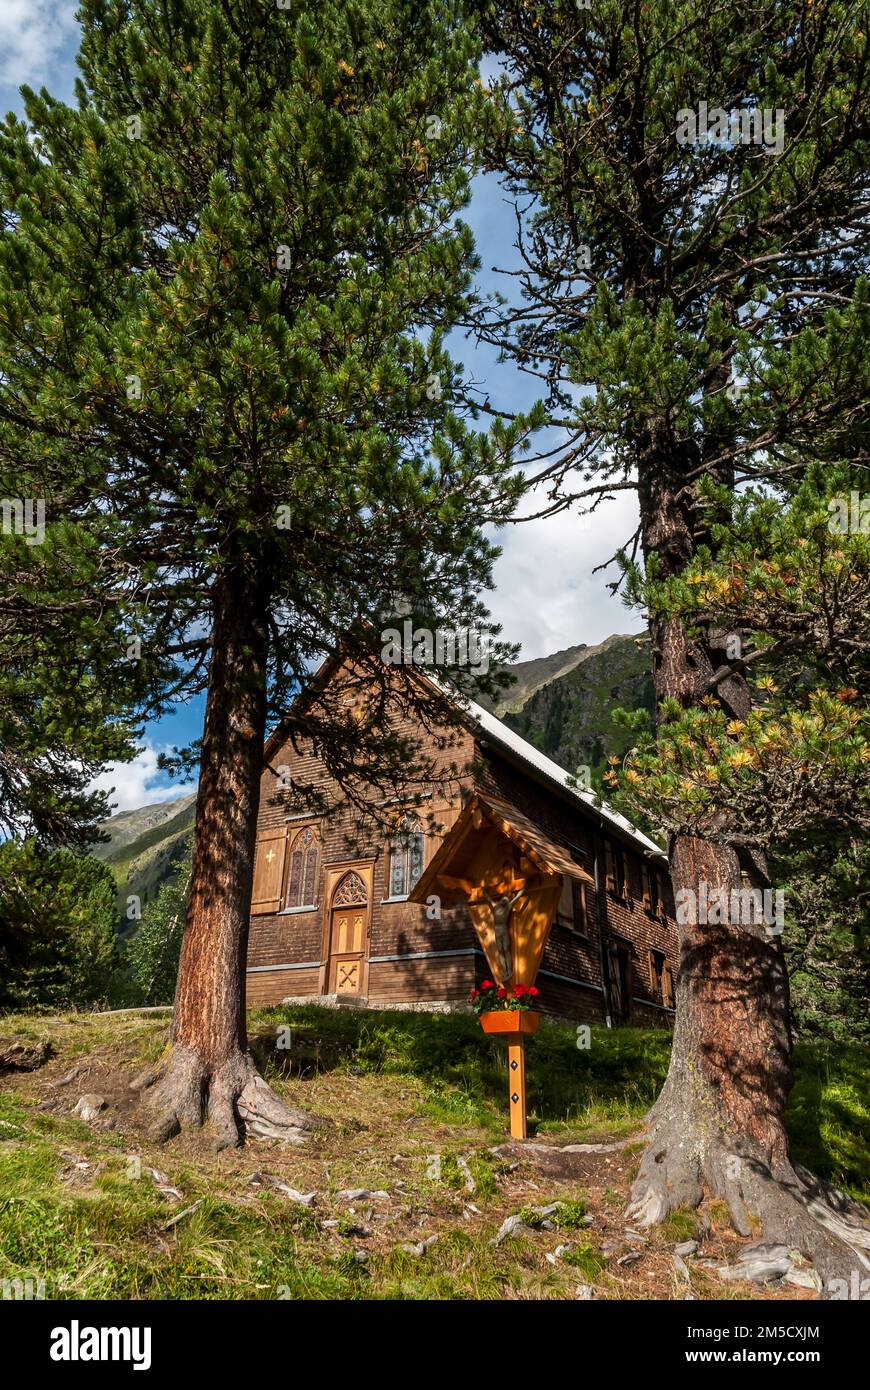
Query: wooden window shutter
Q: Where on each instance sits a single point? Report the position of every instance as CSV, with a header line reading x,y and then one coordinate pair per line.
x,y
268,871
668,997
583,924
653,976
609,867
625,865
565,908
647,888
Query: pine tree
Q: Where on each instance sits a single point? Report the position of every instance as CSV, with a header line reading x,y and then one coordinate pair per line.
x,y
694,237
58,928
152,955
225,280
66,688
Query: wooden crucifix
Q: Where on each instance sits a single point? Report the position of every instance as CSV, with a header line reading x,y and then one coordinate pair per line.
x,y
511,1024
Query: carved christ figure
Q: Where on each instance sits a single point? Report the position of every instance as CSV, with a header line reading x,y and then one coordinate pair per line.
x,y
501,908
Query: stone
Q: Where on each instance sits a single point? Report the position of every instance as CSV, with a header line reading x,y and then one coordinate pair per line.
x,y
359,1194
688,1247
681,1266
16,1055
88,1107
418,1248
803,1279
760,1264
511,1226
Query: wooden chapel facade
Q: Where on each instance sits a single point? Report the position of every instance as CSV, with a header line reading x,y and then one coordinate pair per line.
x,y
332,917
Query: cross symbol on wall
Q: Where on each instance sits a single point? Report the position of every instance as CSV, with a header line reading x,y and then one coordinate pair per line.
x,y
270,856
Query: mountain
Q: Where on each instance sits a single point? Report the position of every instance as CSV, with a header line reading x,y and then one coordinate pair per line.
x,y
530,676
563,704
144,848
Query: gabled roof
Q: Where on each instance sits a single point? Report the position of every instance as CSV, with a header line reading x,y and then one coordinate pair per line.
x,y
511,745
530,839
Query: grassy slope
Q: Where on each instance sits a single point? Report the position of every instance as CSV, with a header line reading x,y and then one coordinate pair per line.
x,y
394,1089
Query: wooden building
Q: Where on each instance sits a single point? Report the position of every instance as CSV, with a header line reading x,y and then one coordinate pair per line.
x,y
331,914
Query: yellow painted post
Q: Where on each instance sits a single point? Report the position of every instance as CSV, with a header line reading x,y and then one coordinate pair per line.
x,y
517,1085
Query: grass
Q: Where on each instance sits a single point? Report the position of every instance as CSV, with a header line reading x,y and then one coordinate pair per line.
x,y
398,1091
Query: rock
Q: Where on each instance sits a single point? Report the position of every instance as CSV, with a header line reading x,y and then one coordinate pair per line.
x,y
70,1076
544,1212
470,1184
562,1250
635,1237
16,1055
88,1107
585,1292
681,1266
143,1079
511,1226
359,1194
631,1258
688,1247
303,1199
362,1257
419,1248
163,1185
803,1279
760,1264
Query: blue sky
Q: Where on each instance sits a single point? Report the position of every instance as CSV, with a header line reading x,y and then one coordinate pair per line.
x,y
546,595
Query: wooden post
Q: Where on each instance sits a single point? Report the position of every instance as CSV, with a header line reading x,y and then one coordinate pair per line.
x,y
517,1085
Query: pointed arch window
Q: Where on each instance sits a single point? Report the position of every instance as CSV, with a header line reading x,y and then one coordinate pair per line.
x,y
304,863
406,857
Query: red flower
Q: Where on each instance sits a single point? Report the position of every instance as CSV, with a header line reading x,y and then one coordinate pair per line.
x,y
502,994
487,984
533,990
519,991
474,993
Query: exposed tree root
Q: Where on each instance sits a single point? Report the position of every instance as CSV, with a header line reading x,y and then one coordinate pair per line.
x,y
233,1099
688,1157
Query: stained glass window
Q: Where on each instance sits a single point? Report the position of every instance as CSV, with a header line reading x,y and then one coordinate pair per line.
x,y
406,858
302,884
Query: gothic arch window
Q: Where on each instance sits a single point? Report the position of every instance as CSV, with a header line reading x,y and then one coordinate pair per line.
x,y
406,857
350,891
304,863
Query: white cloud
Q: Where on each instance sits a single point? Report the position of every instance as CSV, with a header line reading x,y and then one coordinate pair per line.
x,y
139,783
547,596
33,34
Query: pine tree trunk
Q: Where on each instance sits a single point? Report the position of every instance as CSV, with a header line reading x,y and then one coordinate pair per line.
x,y
209,1071
718,1128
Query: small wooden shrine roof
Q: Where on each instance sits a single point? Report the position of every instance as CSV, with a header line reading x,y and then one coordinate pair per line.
x,y
458,851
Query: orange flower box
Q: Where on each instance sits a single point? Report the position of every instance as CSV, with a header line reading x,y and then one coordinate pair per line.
x,y
510,1021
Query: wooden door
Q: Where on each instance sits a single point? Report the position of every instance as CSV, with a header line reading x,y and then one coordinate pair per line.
x,y
620,982
347,935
